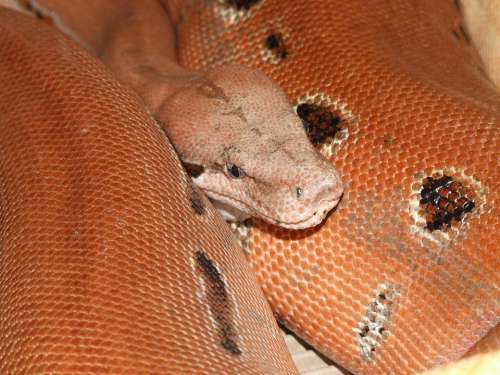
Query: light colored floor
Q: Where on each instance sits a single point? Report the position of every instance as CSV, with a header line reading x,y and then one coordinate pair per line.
x,y
308,362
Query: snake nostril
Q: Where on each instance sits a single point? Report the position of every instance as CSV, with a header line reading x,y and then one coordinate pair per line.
x,y
299,192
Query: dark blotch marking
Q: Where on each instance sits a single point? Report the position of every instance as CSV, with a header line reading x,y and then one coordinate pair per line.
x,y
196,201
464,33
37,13
458,6
276,45
460,33
373,329
242,4
218,302
364,331
319,123
193,170
444,201
388,140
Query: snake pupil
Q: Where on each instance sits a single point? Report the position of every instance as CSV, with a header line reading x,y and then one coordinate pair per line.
x,y
235,171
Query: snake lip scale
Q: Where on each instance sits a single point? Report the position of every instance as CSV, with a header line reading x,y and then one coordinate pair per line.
x,y
310,221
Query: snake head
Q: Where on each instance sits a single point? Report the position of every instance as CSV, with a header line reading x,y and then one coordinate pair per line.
x,y
244,145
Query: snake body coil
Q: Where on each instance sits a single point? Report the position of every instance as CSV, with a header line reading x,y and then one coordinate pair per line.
x,y
110,261
404,276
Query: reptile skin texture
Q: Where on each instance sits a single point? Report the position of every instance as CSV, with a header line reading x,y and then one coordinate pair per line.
x,y
389,284
110,261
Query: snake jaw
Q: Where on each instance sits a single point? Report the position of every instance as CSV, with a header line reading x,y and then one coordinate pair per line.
x,y
233,209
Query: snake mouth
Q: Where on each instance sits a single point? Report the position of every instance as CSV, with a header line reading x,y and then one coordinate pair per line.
x,y
312,220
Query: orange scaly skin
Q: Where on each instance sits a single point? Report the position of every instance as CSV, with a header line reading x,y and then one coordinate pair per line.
x,y
372,288
110,261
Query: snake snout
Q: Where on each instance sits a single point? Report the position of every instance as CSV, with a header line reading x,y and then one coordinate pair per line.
x,y
315,200
324,194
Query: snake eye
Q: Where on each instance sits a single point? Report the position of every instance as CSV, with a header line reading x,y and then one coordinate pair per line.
x,y
234,171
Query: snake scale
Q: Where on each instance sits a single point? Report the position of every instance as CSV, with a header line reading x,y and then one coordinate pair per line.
x,y
402,277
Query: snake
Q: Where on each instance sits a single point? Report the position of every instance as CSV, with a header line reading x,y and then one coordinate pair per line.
x,y
390,283
402,277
